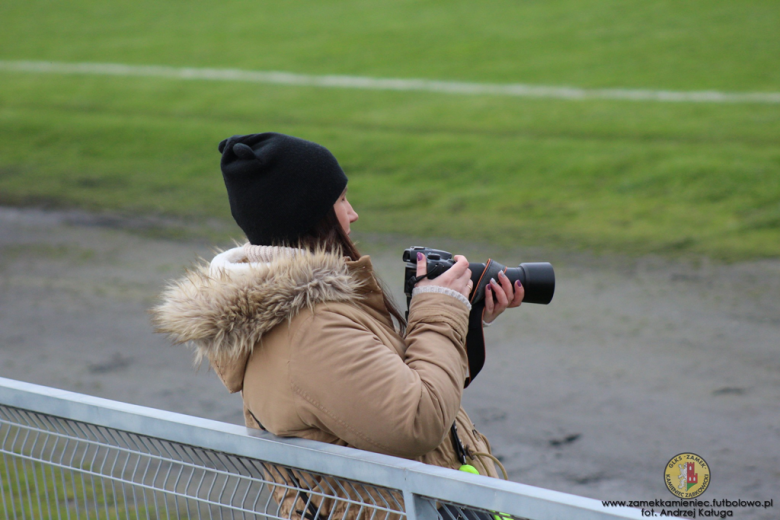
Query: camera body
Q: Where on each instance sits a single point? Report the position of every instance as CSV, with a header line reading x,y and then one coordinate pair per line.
x,y
537,278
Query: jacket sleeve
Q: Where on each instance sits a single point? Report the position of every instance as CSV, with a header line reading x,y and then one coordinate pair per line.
x,y
351,384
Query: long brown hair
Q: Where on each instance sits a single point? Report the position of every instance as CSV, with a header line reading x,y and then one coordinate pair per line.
x,y
328,234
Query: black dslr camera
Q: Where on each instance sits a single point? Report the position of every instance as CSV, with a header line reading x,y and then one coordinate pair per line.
x,y
538,279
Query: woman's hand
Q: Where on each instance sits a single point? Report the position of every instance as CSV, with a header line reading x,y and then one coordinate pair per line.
x,y
457,277
505,296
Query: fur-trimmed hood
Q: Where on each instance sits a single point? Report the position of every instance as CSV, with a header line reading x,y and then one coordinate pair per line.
x,y
224,308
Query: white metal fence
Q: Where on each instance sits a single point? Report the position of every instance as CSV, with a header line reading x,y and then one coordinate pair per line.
x,y
72,456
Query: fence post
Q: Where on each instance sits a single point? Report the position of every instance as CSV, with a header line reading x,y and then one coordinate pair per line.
x,y
419,508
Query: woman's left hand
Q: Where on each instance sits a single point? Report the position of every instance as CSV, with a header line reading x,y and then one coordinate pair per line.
x,y
506,296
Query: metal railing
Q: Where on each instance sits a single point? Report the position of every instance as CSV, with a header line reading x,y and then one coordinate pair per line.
x,y
72,456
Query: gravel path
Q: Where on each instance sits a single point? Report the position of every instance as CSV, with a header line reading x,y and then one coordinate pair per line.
x,y
635,360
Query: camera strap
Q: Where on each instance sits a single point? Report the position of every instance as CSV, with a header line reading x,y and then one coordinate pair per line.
x,y
475,342
475,337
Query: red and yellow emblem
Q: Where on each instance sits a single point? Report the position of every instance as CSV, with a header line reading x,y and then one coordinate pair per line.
x,y
687,475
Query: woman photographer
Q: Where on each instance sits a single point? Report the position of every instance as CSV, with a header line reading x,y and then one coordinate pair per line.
x,y
297,321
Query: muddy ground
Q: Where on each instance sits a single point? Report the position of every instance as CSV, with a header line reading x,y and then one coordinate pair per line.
x,y
635,360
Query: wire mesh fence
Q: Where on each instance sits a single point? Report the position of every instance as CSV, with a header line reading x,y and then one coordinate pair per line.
x,y
60,468
68,456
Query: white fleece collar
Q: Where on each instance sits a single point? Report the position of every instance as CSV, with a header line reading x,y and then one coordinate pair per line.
x,y
244,258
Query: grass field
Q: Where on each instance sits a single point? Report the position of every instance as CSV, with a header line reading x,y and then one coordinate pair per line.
x,y
40,490
635,177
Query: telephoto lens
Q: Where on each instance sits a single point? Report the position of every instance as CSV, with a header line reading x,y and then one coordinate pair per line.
x,y
538,279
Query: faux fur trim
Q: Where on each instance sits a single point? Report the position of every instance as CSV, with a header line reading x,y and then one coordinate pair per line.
x,y
224,312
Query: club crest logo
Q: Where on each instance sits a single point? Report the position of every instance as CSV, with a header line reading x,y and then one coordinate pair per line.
x,y
687,475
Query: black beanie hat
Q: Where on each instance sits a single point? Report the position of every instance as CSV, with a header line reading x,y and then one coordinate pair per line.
x,y
279,186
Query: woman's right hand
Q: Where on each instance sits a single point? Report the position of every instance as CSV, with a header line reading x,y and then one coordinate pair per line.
x,y
457,277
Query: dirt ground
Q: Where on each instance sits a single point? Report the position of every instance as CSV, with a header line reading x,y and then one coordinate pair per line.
x,y
635,360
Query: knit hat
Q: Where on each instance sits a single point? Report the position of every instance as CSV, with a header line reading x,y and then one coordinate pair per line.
x,y
279,186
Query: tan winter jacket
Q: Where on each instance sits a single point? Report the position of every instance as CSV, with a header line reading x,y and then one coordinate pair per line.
x,y
308,341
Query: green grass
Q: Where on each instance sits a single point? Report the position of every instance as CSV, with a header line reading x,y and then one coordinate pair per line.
x,y
36,490
635,177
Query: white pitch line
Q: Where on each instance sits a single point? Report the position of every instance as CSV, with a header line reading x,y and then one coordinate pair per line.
x,y
416,85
